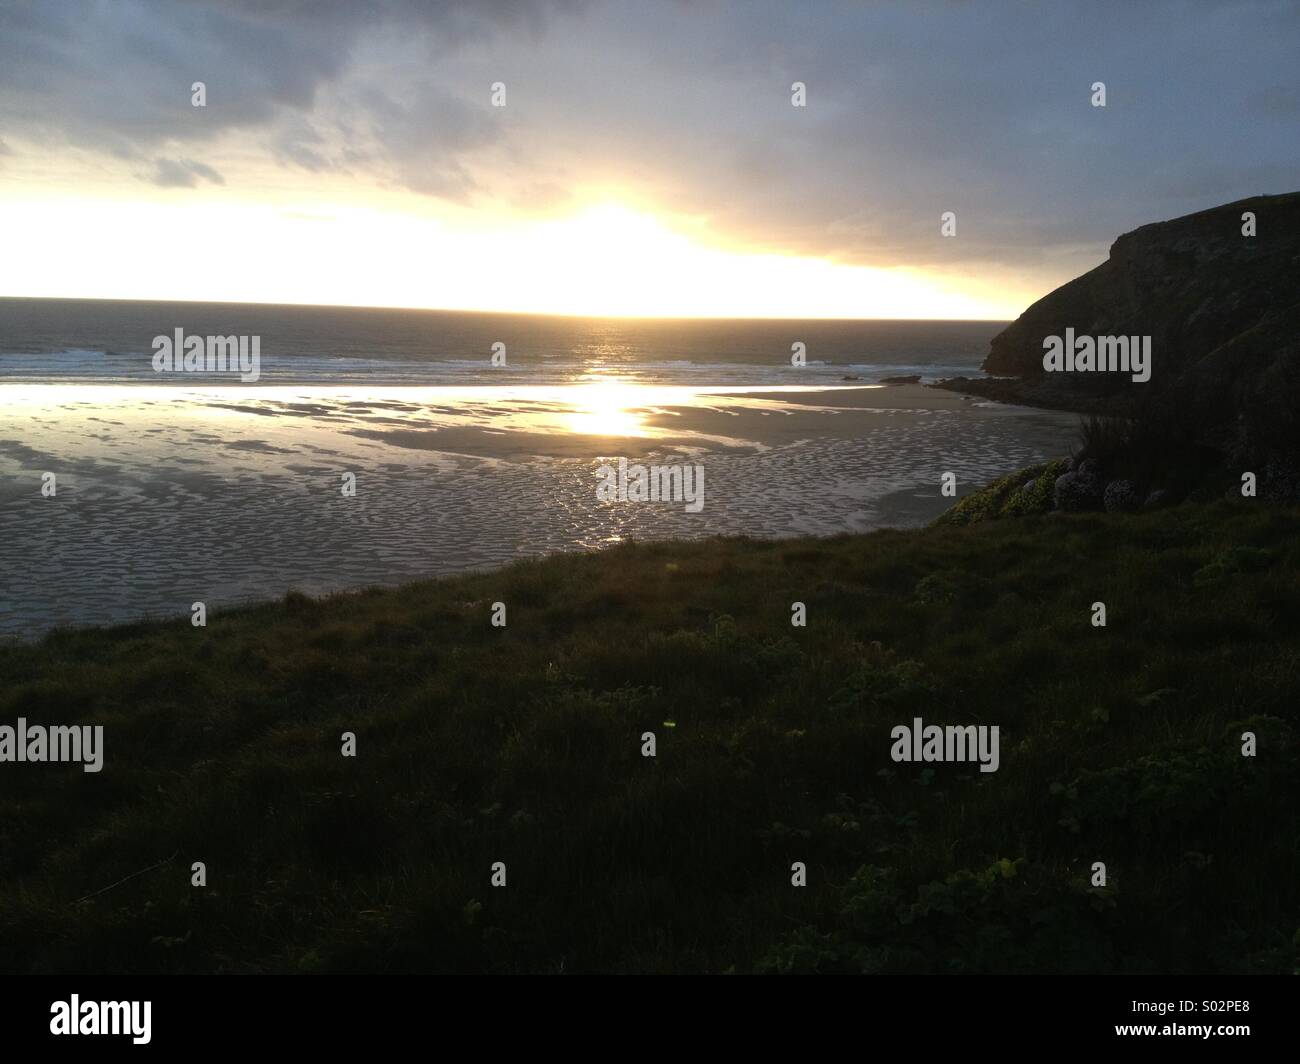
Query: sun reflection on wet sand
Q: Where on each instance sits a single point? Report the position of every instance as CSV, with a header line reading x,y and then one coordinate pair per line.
x,y
610,408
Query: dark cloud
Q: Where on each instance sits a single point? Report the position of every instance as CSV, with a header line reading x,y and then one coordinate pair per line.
x,y
917,108
117,77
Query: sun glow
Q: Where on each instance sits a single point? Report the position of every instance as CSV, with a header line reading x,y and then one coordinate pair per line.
x,y
621,262
605,260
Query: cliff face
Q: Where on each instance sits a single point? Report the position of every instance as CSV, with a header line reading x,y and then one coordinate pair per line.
x,y
1223,314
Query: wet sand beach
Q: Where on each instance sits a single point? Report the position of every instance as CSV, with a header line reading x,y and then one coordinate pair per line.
x,y
166,496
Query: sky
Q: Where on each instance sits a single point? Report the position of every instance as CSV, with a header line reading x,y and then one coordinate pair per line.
x,y
648,159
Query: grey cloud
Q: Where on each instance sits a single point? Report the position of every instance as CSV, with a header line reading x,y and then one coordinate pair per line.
x,y
424,137
301,144
919,108
116,78
297,152
1277,101
183,173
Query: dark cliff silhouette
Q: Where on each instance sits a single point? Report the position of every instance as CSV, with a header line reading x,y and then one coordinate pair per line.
x,y
1222,310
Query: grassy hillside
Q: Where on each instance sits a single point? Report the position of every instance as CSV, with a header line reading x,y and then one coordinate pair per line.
x,y
522,744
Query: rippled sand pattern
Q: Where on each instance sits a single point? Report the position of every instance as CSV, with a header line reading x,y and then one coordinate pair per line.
x,y
226,497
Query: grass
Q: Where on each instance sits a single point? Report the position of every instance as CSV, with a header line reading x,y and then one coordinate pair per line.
x,y
523,745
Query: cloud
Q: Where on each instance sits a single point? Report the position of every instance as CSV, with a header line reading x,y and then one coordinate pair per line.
x,y
1277,101
914,108
182,173
117,78
300,144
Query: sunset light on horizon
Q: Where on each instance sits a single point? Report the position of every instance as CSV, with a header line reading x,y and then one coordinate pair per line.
x,y
604,260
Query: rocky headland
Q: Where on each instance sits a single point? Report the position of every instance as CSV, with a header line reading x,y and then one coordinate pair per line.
x,y
1218,295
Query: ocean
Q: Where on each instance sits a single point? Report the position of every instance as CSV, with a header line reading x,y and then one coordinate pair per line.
x,y
382,446
110,341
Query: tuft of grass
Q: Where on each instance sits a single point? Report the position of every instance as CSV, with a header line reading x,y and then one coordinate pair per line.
x,y
1105,439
